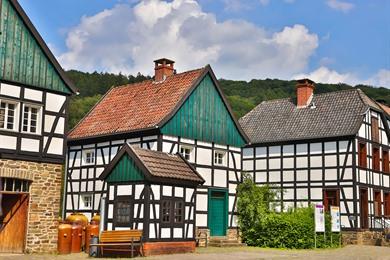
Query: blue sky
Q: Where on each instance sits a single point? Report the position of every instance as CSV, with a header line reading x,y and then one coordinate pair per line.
x,y
327,40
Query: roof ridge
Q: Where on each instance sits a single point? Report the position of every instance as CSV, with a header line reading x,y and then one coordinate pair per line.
x,y
146,80
148,150
288,98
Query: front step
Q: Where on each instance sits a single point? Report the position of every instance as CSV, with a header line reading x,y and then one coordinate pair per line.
x,y
224,242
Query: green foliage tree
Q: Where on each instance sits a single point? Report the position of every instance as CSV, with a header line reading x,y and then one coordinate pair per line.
x,y
79,107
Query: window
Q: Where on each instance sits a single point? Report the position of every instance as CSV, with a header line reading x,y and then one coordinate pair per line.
x,y
385,161
186,151
387,204
123,211
331,198
362,155
374,129
8,115
166,211
377,204
31,119
86,201
172,211
219,158
375,159
89,157
178,211
16,185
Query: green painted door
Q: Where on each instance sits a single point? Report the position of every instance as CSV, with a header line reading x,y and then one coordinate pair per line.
x,y
217,213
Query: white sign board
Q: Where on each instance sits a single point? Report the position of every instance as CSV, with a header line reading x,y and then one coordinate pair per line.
x,y
335,214
319,218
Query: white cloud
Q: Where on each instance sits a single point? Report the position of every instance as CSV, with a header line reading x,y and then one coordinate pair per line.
x,y
340,5
128,39
325,75
381,78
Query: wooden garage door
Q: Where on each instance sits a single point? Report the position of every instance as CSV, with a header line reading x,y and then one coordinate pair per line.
x,y
13,222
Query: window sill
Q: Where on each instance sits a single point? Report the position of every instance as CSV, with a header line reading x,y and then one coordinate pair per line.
x,y
30,133
9,130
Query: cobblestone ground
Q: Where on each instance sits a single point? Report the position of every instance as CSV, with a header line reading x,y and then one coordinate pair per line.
x,y
348,252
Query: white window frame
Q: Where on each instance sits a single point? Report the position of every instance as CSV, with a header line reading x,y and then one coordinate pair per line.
x,y
84,201
39,119
217,158
16,115
184,153
85,156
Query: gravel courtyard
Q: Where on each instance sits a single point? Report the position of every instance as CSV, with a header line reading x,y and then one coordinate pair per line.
x,y
211,253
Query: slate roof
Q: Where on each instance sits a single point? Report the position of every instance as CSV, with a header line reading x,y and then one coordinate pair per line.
x,y
157,166
335,114
136,107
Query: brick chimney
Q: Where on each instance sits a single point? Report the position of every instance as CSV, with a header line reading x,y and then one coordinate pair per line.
x,y
305,89
163,68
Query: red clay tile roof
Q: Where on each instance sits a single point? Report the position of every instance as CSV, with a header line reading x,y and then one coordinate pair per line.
x,y
135,106
166,165
385,108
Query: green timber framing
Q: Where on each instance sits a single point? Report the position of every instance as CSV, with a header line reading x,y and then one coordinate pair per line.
x,y
205,115
24,56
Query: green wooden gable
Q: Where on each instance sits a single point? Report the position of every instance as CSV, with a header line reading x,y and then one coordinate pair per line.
x,y
125,170
22,58
205,117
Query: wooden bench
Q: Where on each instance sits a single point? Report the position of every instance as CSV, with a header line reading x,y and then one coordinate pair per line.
x,y
120,238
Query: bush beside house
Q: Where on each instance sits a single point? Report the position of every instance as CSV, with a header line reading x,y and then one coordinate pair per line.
x,y
261,225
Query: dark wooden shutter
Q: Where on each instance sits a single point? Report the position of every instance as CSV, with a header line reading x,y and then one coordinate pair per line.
x,y
374,129
377,204
387,204
375,158
362,155
385,161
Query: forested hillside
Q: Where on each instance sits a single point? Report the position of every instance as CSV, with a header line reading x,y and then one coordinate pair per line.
x,y
242,95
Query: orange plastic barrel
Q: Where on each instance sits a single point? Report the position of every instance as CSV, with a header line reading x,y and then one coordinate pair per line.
x,y
81,219
91,231
96,219
77,235
64,244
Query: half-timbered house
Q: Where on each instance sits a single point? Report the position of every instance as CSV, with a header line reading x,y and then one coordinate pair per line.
x,y
330,148
182,113
153,191
34,94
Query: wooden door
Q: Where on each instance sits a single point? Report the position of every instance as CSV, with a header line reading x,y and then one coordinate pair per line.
x,y
218,213
363,208
13,223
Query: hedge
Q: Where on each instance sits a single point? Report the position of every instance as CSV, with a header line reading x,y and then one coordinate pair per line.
x,y
261,225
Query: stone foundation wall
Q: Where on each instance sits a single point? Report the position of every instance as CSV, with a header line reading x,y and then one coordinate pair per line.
x,y
231,234
201,234
44,204
362,238
234,234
